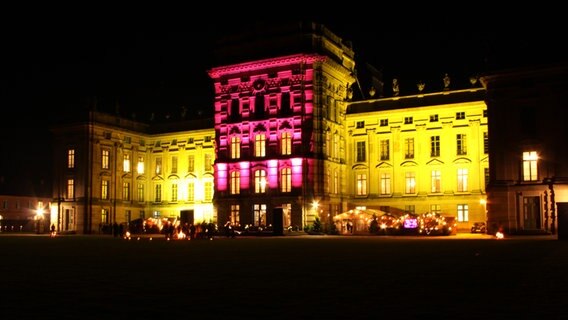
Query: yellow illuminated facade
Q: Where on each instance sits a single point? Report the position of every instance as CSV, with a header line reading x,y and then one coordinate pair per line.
x,y
419,154
116,170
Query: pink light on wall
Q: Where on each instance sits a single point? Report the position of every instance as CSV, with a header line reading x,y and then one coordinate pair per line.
x,y
296,172
245,176
272,174
221,176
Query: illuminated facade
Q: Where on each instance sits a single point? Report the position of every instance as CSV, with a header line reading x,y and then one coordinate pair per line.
x,y
280,131
423,153
110,169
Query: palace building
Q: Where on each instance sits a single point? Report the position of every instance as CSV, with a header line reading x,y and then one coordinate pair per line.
x,y
287,138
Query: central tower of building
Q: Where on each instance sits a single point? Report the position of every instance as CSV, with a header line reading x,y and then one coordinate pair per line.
x,y
279,125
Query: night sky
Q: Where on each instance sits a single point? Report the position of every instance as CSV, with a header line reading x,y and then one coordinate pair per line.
x,y
138,64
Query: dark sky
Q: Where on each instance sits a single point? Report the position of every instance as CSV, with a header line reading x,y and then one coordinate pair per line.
x,y
57,61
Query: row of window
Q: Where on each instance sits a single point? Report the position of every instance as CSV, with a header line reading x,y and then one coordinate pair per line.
x,y
409,146
460,115
140,167
260,145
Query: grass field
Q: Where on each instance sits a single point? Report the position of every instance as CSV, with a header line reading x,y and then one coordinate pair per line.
x,y
300,277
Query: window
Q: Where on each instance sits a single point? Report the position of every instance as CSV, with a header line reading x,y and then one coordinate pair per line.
x,y
360,124
286,143
190,140
462,180
461,143
335,182
286,180
259,211
191,191
174,164
436,209
234,218
174,192
335,145
105,217
434,118
235,182
361,151
140,166
259,145
141,192
235,147
486,142
208,191
384,122
104,189
126,191
207,139
71,158
70,188
158,193
485,113
530,172
410,183
385,183
158,166
126,162
127,216
191,163
105,159
410,208
361,184
142,214
260,181
486,176
435,146
127,140
409,148
385,152
463,212
460,115
208,162
436,181
408,120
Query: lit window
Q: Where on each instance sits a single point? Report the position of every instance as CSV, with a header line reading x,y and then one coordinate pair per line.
x,y
286,143
260,181
191,191
140,192
126,162
140,166
70,188
361,184
105,216
259,214
530,172
361,151
286,180
126,191
235,182
435,146
462,180
385,183
208,162
259,145
104,190
435,209
105,158
235,147
461,143
71,158
208,191
436,181
234,218
463,212
410,183
158,166
409,148
174,192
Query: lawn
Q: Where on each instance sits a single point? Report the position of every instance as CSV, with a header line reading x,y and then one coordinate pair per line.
x,y
299,277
